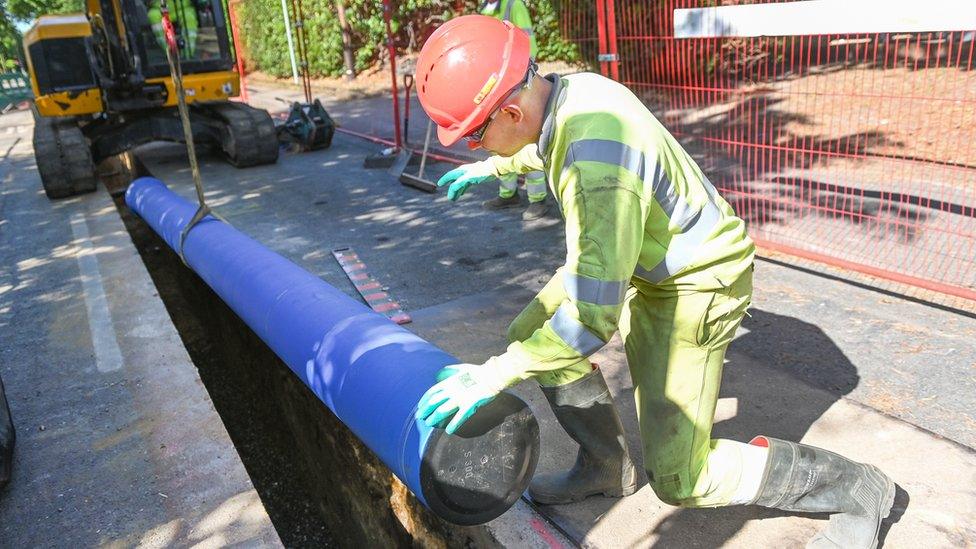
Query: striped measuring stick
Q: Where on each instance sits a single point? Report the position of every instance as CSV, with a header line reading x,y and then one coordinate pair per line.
x,y
369,287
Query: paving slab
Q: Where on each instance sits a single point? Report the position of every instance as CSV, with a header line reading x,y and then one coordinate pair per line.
x,y
118,443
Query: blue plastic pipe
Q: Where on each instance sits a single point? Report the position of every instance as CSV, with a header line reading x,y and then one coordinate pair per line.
x,y
369,371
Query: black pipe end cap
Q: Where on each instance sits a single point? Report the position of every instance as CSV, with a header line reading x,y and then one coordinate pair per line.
x,y
476,474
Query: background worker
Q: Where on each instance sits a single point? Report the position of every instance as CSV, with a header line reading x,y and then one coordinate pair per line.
x,y
535,181
653,249
183,13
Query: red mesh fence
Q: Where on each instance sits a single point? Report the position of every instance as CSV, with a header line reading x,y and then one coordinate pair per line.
x,y
858,150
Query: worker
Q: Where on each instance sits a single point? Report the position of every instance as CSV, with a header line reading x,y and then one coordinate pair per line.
x,y
183,14
535,180
651,248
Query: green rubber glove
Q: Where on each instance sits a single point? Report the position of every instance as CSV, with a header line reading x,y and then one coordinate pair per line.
x,y
462,177
460,391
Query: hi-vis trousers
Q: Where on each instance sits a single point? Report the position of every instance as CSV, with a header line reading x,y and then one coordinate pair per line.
x,y
535,186
675,348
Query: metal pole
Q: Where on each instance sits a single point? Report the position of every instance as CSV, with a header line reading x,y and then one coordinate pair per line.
x,y
291,46
387,9
601,31
231,10
301,40
614,64
423,158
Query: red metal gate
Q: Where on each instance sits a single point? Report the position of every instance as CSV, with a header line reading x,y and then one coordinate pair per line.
x,y
857,150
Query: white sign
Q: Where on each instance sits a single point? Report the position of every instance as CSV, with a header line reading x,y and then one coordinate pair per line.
x,y
827,17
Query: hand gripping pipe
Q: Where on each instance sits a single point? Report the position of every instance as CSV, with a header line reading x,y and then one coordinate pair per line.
x,y
367,370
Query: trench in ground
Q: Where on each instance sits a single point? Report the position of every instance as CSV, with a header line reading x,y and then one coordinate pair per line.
x,y
319,484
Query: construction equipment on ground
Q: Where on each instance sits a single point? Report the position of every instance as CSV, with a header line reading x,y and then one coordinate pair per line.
x,y
308,126
102,86
405,157
418,181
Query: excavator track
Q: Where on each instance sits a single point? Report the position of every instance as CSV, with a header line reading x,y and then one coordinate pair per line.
x,y
63,158
248,137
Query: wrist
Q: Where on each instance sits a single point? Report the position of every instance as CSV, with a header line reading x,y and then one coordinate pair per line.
x,y
500,373
490,166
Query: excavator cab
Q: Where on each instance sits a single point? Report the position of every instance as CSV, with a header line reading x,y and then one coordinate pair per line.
x,y
102,86
202,36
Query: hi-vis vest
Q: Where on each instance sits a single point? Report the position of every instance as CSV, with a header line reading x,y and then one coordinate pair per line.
x,y
514,11
638,209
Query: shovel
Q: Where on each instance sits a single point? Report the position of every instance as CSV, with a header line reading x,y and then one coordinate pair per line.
x,y
404,156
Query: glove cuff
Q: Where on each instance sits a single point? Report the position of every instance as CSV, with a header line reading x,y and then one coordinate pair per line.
x,y
499,373
490,166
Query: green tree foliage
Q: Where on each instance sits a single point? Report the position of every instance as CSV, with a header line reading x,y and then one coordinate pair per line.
x,y
265,45
9,39
19,11
552,45
27,10
9,44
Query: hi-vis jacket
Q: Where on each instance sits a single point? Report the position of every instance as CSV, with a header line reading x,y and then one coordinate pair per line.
x,y
639,212
514,11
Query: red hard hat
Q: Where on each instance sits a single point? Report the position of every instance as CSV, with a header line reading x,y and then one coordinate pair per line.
x,y
466,68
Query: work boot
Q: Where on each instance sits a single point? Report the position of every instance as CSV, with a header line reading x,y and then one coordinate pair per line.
x,y
585,410
499,202
535,210
808,479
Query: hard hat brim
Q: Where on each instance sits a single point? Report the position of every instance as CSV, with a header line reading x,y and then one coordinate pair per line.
x,y
449,136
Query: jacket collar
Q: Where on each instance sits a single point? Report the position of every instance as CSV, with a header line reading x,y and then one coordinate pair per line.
x,y
549,120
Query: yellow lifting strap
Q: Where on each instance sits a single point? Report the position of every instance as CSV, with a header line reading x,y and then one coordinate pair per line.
x,y
176,72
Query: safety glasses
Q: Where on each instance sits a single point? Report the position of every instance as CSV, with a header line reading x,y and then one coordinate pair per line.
x,y
474,138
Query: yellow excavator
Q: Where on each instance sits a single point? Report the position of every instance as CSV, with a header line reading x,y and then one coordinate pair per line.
x,y
102,86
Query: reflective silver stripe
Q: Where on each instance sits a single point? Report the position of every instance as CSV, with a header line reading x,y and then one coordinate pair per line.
x,y
634,161
682,248
528,30
509,183
695,225
710,189
508,10
574,333
606,151
535,183
593,290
